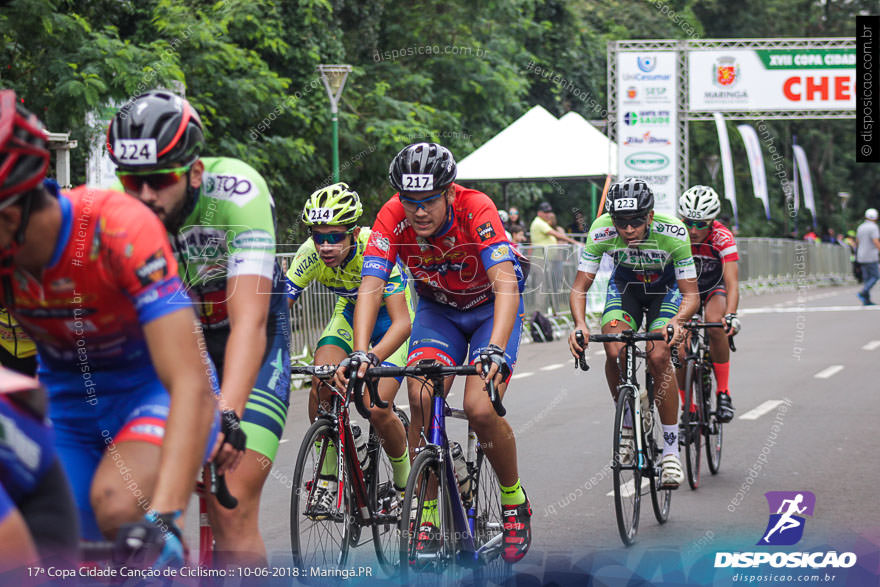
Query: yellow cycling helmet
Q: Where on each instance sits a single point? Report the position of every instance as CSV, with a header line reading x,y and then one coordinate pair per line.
x,y
334,205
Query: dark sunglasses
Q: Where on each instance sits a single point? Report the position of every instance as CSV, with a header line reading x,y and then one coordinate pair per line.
x,y
635,222
329,238
157,179
698,224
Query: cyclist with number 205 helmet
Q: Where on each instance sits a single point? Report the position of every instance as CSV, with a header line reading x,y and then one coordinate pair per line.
x,y
714,250
653,275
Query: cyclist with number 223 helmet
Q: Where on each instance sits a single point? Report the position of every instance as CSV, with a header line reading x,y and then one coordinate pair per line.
x,y
89,275
653,274
221,221
334,256
469,281
715,257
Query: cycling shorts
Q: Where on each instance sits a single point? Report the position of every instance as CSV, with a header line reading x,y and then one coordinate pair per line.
x,y
340,332
448,335
266,410
50,514
85,433
628,301
709,293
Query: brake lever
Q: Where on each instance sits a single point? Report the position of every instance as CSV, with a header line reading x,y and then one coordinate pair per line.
x,y
581,360
670,332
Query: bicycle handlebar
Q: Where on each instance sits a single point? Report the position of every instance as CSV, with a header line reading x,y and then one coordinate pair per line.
x,y
693,325
221,490
627,336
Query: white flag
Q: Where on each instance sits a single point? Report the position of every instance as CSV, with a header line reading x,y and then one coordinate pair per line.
x,y
804,168
727,165
756,165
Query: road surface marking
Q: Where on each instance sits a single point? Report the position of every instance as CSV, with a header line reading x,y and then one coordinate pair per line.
x,y
767,406
521,375
874,344
553,366
830,371
627,489
800,309
283,440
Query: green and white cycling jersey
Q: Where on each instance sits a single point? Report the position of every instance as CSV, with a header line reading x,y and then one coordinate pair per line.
x,y
663,257
230,232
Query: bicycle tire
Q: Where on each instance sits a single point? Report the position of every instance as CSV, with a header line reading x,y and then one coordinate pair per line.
x,y
627,500
714,430
333,533
384,500
661,499
442,569
692,429
488,521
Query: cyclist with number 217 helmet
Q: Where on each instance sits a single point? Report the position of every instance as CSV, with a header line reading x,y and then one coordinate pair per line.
x,y
714,250
654,276
334,257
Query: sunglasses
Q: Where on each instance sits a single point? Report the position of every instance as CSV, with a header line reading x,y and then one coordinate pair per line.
x,y
698,224
633,222
416,204
329,238
157,179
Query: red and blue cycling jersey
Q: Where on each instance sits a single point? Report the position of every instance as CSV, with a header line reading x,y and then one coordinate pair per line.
x,y
449,267
718,248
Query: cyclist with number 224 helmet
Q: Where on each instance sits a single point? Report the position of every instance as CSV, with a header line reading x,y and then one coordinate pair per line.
x,y
654,275
714,250
334,257
221,222
469,280
89,275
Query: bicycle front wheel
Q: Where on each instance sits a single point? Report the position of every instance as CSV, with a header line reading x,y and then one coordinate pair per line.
x,y
385,502
488,522
627,476
318,539
691,420
660,498
714,430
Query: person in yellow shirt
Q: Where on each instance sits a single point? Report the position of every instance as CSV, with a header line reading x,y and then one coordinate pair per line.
x,y
542,231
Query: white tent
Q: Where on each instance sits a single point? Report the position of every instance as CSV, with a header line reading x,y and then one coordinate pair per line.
x,y
539,146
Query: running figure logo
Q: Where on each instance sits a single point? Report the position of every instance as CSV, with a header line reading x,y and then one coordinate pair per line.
x,y
786,525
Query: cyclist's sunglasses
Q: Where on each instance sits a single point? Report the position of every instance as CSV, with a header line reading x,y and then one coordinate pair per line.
x,y
329,238
698,224
635,221
416,204
157,179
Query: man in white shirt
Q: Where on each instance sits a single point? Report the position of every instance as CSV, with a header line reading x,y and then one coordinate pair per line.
x,y
868,254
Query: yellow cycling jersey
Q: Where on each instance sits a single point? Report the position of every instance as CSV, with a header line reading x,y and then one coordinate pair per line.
x,y
13,339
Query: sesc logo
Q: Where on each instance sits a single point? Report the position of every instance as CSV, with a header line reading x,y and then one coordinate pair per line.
x,y
647,161
786,525
646,63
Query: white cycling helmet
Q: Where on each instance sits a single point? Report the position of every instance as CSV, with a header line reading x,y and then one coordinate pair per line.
x,y
700,202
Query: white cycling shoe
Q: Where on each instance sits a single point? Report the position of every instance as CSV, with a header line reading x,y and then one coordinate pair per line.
x,y
671,476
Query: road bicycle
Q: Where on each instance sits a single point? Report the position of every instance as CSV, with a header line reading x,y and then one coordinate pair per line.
x,y
364,497
642,464
469,521
699,416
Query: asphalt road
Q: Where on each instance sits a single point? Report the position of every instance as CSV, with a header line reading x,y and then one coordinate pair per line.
x,y
813,352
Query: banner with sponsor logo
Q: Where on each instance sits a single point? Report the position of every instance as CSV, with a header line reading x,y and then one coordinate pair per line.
x,y
646,122
803,167
771,79
727,165
756,165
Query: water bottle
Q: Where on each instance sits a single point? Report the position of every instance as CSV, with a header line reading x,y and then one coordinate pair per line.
x,y
360,444
461,471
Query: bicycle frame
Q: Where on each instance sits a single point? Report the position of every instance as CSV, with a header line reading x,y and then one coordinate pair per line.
x,y
630,380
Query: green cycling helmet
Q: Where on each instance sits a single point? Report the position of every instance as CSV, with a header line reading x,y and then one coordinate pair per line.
x,y
334,205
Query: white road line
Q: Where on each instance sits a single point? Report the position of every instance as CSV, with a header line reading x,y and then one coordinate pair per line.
x,y
808,309
873,345
601,352
283,440
552,367
403,407
830,371
627,489
521,375
767,406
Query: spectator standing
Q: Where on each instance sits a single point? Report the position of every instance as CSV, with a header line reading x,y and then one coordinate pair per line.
x,y
542,231
513,221
868,254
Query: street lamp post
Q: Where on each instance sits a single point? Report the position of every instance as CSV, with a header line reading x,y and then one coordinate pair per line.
x,y
334,77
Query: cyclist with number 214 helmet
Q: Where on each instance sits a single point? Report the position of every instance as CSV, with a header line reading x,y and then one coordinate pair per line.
x,y
714,250
654,276
334,257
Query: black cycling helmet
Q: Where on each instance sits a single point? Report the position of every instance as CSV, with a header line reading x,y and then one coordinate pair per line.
x,y
422,159
629,198
24,156
160,116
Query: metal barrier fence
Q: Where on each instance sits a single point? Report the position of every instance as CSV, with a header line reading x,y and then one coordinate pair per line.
x,y
765,265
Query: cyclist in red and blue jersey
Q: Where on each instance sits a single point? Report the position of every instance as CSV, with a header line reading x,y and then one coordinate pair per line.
x,y
715,257
469,280
90,277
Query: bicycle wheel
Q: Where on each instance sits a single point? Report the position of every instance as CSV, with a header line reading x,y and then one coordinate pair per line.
x,y
627,478
714,430
488,522
436,564
691,425
317,542
385,502
660,498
